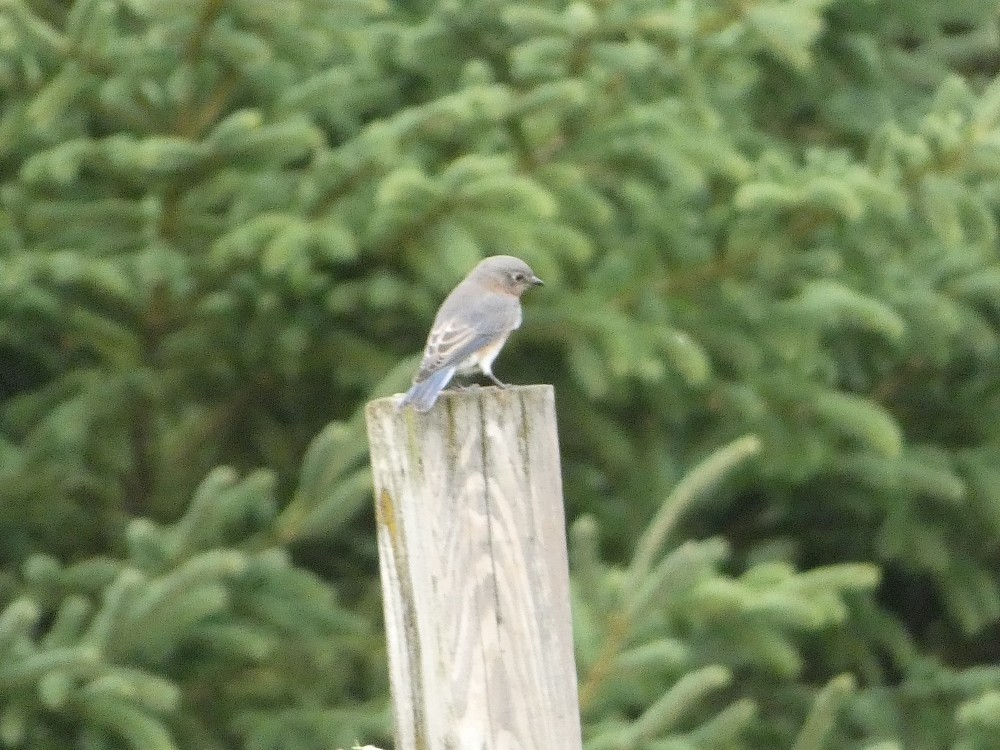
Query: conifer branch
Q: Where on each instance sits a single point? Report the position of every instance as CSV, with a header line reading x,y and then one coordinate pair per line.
x,y
820,722
618,628
704,476
695,483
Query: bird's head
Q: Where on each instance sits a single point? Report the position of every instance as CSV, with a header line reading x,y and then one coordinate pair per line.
x,y
508,274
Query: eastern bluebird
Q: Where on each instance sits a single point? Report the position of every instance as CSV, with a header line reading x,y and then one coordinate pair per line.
x,y
471,326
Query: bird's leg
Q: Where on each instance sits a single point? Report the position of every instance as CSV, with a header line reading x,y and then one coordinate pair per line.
x,y
496,380
460,387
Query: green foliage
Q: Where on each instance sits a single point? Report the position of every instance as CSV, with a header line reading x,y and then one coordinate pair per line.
x,y
225,224
183,641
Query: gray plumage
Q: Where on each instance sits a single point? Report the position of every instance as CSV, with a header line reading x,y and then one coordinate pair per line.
x,y
471,326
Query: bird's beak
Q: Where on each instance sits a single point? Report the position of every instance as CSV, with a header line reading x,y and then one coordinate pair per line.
x,y
535,281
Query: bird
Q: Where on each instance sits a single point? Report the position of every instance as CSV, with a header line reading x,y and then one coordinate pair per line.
x,y
471,327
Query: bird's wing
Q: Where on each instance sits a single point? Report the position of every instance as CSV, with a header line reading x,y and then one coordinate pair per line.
x,y
449,343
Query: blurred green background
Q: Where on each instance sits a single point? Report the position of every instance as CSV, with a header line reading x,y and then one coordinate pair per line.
x,y
225,225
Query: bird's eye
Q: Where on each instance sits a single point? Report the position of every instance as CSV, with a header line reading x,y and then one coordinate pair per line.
x,y
518,276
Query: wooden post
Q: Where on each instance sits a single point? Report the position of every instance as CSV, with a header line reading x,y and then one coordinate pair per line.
x,y
472,549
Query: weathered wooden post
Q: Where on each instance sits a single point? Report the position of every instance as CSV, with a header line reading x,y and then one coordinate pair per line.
x,y
472,548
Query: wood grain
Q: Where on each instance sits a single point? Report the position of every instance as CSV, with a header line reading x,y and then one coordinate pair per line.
x,y
472,548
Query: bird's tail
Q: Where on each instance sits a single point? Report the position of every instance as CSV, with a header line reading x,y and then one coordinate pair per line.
x,y
422,395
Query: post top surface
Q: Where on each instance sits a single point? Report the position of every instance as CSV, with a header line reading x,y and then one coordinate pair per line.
x,y
470,394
